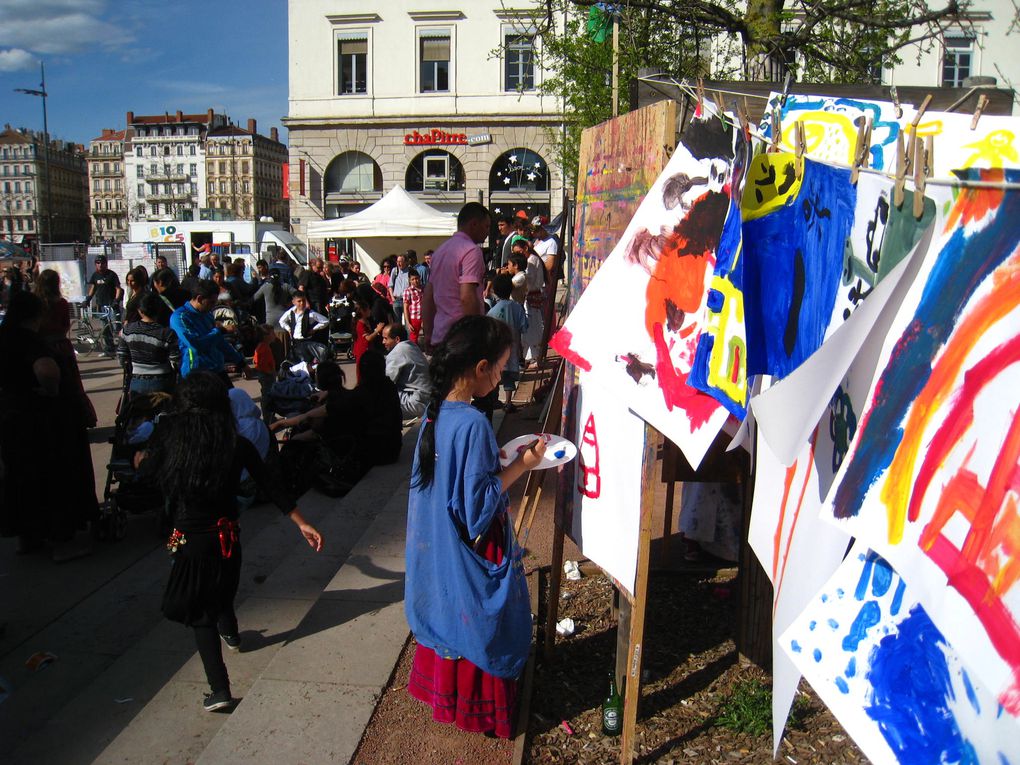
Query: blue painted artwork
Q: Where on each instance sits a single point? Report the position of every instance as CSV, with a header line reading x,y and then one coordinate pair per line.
x,y
891,677
793,267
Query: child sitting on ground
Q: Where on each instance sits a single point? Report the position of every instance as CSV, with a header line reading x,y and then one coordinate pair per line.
x,y
511,313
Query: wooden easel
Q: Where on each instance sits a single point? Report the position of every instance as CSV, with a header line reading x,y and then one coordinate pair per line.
x,y
631,623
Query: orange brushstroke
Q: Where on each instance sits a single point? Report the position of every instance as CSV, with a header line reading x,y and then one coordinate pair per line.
x,y
778,577
1003,298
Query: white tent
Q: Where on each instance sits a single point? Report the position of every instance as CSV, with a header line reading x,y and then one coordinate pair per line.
x,y
395,223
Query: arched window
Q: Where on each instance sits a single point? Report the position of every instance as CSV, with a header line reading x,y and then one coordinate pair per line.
x,y
352,172
434,170
519,170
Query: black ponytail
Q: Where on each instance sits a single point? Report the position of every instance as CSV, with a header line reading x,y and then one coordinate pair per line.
x,y
470,340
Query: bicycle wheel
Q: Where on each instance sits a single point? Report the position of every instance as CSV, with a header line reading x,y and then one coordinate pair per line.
x,y
85,341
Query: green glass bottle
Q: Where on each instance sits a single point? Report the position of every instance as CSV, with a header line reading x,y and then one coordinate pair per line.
x,y
612,710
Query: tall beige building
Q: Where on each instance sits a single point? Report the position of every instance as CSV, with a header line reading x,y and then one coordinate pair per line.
x,y
32,210
444,100
245,174
107,196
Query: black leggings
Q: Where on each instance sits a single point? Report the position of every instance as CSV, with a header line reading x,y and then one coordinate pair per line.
x,y
207,638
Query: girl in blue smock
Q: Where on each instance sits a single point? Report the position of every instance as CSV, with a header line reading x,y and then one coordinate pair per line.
x,y
466,597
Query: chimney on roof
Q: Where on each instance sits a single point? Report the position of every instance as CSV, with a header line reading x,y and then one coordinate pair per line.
x,y
209,117
180,116
274,134
130,117
251,125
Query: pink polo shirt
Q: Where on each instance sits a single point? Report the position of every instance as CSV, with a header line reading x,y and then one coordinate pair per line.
x,y
457,261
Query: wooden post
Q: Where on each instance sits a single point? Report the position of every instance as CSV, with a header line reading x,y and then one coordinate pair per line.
x,y
616,65
636,631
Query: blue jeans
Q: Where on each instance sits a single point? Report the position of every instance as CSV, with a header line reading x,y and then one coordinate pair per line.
x,y
162,384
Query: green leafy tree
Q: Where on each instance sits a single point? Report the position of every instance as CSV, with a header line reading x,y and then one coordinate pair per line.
x,y
842,41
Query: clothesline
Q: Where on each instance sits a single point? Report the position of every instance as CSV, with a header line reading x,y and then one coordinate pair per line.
x,y
756,133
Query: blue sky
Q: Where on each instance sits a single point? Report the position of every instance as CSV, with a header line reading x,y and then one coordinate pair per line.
x,y
107,57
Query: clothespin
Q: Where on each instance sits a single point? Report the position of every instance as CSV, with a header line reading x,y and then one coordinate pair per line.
x,y
922,169
800,146
912,152
786,89
745,123
982,102
901,171
699,110
862,149
719,108
896,102
777,130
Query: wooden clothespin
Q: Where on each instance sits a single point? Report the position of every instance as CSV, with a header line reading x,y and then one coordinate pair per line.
x,y
777,130
912,150
922,169
786,89
982,102
800,146
720,109
862,150
699,110
901,171
745,122
896,102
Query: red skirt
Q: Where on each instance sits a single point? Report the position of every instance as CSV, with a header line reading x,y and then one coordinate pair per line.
x,y
457,690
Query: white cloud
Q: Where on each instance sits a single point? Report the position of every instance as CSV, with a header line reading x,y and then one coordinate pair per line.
x,y
15,59
58,27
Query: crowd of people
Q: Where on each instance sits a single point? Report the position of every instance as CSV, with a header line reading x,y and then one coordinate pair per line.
x,y
435,339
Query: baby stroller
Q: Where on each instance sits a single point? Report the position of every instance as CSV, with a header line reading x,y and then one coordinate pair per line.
x,y
341,331
288,395
125,491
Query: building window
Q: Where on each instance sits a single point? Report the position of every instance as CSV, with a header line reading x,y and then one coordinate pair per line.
x,y
957,60
519,170
434,54
193,169
28,187
141,189
107,186
191,151
352,172
17,187
138,151
434,171
116,167
95,184
519,62
352,64
180,168
244,167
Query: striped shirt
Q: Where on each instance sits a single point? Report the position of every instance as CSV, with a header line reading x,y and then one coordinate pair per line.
x,y
150,349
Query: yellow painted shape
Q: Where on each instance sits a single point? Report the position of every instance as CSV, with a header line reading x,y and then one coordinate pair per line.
x,y
766,173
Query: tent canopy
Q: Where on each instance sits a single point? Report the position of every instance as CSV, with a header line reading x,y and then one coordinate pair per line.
x,y
397,214
395,223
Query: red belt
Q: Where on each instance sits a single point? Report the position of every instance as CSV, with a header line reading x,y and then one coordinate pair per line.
x,y
228,531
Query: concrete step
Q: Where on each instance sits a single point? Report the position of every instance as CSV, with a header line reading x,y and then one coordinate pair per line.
x,y
142,703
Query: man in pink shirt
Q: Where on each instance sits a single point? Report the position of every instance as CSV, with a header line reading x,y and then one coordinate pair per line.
x,y
457,275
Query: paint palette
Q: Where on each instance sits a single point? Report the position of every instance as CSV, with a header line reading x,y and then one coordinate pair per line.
x,y
558,450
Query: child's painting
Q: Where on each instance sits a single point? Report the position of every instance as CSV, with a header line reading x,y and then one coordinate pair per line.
x,y
831,126
896,683
637,325
931,479
797,550
604,519
994,143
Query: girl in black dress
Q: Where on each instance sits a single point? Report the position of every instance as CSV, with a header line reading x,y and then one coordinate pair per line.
x,y
197,459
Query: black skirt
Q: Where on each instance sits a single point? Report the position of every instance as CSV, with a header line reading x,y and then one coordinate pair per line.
x,y
202,582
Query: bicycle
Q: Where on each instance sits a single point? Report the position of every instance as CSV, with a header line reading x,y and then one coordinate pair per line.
x,y
86,338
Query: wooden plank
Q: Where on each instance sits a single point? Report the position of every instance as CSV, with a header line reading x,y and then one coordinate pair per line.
x,y
636,631
552,606
528,683
552,423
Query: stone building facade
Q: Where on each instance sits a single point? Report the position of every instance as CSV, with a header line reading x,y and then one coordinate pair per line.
x,y
245,173
26,215
445,103
107,196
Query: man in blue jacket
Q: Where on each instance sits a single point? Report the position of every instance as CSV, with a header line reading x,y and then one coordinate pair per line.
x,y
202,343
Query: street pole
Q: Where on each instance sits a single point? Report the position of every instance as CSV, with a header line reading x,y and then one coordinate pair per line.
x,y
46,149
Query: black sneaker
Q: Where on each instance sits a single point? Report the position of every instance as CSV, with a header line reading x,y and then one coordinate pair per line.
x,y
217,700
233,642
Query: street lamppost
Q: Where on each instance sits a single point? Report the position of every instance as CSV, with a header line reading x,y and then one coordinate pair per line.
x,y
46,147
